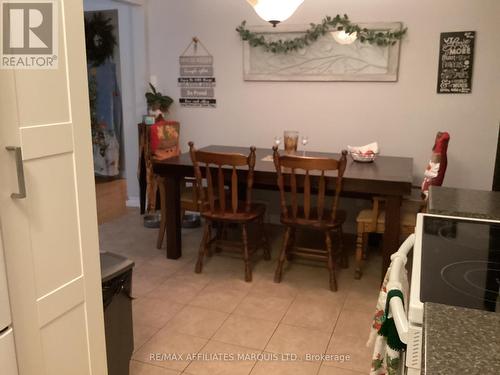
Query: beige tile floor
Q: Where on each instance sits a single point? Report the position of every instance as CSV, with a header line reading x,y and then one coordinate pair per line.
x,y
228,326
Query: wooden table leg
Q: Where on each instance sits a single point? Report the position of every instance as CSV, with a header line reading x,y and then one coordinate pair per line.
x,y
173,205
142,184
392,230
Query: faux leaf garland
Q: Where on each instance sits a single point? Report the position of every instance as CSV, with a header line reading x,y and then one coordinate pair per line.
x,y
328,24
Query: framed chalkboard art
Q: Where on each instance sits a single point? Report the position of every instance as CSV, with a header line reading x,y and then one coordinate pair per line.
x,y
456,56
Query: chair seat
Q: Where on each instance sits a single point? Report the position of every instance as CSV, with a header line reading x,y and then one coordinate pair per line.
x,y
408,219
188,198
365,216
256,211
409,211
313,221
187,194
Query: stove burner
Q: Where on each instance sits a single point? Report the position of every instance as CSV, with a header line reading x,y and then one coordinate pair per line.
x,y
468,277
476,274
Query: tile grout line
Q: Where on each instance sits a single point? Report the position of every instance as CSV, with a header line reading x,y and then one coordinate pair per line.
x,y
173,316
215,332
150,364
145,342
334,326
275,329
232,313
228,316
159,329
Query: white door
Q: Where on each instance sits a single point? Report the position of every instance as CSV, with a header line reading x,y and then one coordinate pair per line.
x,y
50,236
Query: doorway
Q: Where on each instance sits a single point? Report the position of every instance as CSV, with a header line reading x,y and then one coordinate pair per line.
x,y
105,98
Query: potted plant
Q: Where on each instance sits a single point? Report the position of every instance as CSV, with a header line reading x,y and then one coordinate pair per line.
x,y
158,104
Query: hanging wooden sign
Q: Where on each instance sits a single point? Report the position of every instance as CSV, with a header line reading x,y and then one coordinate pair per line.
x,y
197,92
456,56
186,102
196,79
196,60
196,82
196,71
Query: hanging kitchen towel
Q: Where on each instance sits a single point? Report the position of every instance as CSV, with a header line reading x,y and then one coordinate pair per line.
x,y
386,360
388,328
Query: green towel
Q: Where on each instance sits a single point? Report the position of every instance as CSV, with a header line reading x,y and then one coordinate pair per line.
x,y
388,327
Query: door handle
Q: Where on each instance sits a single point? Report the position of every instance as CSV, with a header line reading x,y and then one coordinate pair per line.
x,y
20,172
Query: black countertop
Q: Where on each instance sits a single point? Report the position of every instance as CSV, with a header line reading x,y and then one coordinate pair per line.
x,y
458,339
479,204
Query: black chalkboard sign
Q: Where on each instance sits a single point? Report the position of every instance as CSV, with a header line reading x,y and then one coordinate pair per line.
x,y
456,54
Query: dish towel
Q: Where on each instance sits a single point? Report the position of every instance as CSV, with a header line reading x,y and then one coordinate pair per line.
x,y
387,349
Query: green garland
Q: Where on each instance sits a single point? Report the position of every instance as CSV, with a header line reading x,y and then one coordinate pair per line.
x,y
328,24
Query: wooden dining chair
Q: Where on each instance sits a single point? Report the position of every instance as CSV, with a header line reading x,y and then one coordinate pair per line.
x,y
372,220
306,216
222,206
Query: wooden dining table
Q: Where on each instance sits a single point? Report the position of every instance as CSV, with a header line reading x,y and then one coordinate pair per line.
x,y
388,176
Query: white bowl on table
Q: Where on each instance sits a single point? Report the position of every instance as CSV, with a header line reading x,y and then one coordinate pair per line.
x,y
364,154
368,158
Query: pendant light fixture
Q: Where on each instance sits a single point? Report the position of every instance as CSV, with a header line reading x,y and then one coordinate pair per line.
x,y
275,11
341,37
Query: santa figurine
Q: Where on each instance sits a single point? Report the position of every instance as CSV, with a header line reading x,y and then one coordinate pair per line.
x,y
434,173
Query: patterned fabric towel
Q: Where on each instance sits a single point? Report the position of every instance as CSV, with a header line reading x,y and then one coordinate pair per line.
x,y
385,361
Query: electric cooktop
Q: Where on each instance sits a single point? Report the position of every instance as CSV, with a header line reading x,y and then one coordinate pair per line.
x,y
461,263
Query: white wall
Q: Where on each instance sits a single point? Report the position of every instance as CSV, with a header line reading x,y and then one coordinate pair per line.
x,y
133,66
403,116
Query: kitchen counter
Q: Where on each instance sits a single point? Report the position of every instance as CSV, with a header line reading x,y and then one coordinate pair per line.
x,y
464,202
460,340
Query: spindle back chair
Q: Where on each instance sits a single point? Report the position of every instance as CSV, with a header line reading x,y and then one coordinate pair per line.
x,y
313,212
221,201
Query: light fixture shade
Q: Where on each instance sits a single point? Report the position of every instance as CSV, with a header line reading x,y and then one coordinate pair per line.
x,y
275,11
341,37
